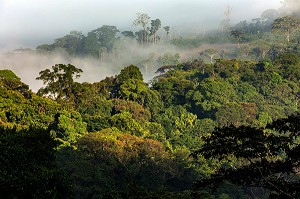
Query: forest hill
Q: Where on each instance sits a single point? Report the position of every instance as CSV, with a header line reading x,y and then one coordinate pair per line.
x,y
119,136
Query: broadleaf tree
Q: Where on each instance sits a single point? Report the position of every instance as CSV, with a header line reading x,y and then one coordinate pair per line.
x,y
59,81
264,157
286,25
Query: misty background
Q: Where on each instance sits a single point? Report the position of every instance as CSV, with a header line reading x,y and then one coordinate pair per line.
x,y
29,23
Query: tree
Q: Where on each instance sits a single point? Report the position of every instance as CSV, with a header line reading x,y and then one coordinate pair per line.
x,y
129,72
211,52
286,25
227,20
28,168
59,82
71,43
140,37
167,29
289,64
155,26
212,94
143,20
261,48
68,127
111,163
238,35
231,114
103,54
264,157
128,34
11,81
106,36
90,45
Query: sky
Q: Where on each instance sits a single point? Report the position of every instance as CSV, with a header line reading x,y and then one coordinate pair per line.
x,y
29,23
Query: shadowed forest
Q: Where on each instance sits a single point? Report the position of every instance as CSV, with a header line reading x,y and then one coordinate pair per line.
x,y
207,115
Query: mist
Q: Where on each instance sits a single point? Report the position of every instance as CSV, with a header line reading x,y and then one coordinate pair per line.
x,y
27,63
27,66
28,23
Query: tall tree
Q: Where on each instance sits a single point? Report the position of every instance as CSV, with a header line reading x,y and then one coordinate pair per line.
x,y
261,48
139,37
129,72
227,20
155,26
106,36
142,20
59,82
266,158
167,29
238,35
211,52
71,43
91,45
286,25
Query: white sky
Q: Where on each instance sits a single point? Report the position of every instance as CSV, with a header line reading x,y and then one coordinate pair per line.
x,y
28,23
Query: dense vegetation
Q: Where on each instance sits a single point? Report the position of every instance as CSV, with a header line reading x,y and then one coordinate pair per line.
x,y
119,136
224,125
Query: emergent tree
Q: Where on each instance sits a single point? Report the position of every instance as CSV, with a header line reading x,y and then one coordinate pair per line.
x,y
143,20
59,82
286,25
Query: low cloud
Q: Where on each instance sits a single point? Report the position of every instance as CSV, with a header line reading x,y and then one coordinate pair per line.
x,y
28,63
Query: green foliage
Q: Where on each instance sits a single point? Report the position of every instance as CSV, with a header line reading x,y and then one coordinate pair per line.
x,y
133,89
137,110
212,94
129,72
76,43
8,74
231,113
112,163
95,112
124,122
90,45
238,35
11,81
262,156
106,36
141,136
128,34
71,43
155,26
59,82
287,59
41,111
28,168
173,89
175,115
16,110
68,127
182,128
286,25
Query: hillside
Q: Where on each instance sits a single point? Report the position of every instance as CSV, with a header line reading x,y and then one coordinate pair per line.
x,y
169,120
153,114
